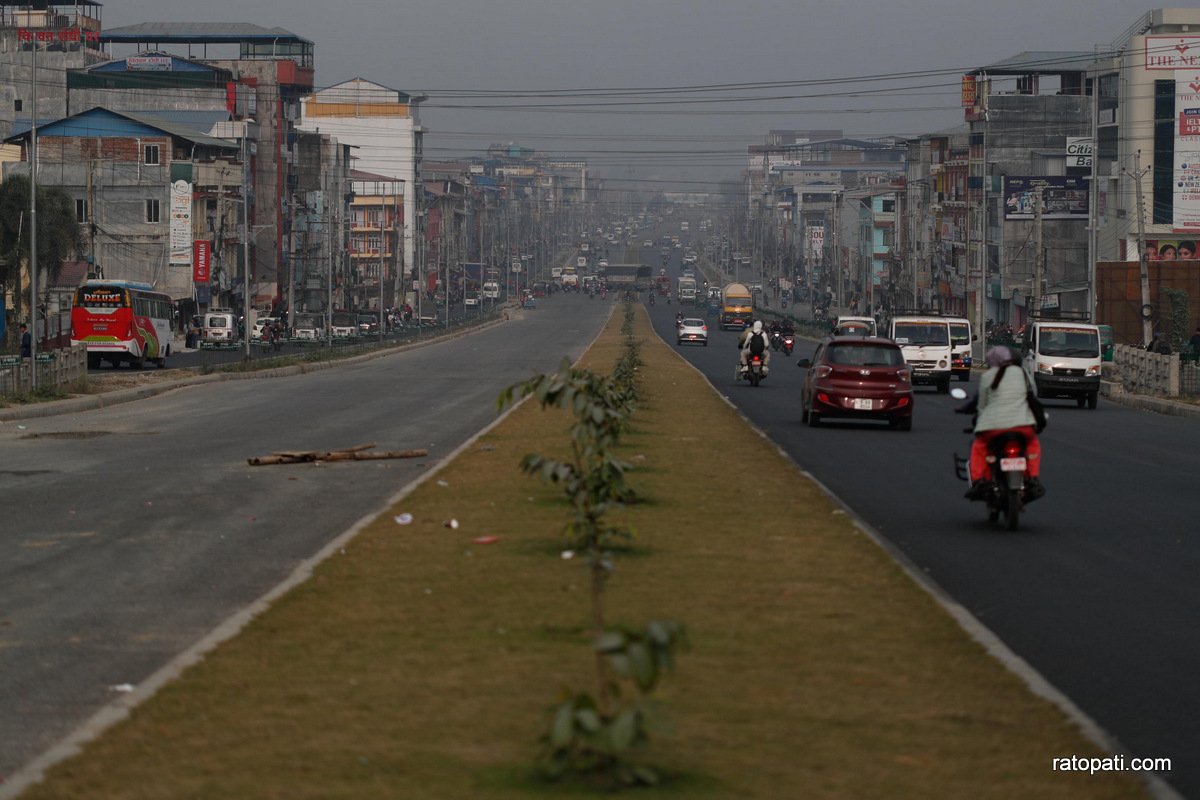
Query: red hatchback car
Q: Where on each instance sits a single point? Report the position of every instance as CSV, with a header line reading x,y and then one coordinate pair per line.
x,y
855,377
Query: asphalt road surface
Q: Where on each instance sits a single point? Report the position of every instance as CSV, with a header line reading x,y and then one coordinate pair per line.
x,y
130,532
1099,588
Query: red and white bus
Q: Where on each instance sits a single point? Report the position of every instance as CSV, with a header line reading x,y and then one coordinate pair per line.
x,y
122,321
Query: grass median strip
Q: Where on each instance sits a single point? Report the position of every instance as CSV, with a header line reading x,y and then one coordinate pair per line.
x,y
419,663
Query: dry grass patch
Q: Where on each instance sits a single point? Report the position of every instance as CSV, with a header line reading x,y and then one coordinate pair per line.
x,y
418,664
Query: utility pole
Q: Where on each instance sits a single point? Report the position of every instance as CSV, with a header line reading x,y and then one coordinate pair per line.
x,y
1039,252
246,238
33,253
1143,260
382,248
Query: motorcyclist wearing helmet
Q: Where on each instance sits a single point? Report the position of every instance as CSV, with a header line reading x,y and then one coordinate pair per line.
x,y
754,340
1002,407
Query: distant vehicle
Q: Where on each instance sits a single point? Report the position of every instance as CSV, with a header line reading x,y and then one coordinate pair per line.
x,y
345,324
472,299
737,307
855,326
260,325
925,341
491,290
1063,359
857,377
960,347
368,324
220,329
686,289
309,326
648,243
692,330
122,321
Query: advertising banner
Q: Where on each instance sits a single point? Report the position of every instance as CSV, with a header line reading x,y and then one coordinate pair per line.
x,y
1173,52
1166,250
1063,197
1186,183
201,258
181,224
968,91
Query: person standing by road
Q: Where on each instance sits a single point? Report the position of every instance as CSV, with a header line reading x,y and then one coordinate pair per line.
x,y
26,341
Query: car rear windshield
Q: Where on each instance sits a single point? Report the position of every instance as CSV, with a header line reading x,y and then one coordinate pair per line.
x,y
869,355
921,333
694,323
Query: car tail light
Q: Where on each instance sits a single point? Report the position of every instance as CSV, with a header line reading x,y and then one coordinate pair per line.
x,y
903,376
824,371
901,402
824,398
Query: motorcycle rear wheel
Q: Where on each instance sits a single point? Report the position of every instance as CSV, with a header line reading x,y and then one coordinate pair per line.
x,y
1012,511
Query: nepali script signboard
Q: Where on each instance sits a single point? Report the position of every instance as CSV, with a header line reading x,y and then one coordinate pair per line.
x,y
181,223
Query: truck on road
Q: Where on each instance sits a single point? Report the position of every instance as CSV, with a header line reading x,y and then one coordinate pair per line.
x,y
686,290
737,307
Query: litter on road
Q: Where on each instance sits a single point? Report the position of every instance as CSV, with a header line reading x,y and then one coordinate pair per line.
x,y
361,452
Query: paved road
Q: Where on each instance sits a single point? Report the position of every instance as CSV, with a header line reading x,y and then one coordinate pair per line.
x,y
130,532
1099,590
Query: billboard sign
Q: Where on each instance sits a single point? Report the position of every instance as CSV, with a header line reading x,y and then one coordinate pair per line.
x,y
1186,183
968,91
181,224
1173,52
1079,152
201,260
1063,197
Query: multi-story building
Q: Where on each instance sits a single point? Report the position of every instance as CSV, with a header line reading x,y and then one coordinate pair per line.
x,y
131,178
272,69
376,240
46,39
384,127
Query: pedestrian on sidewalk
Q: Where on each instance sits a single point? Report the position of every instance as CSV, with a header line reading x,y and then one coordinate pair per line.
x,y
26,341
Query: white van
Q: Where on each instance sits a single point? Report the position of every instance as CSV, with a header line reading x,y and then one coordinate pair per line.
x,y
855,326
491,290
219,328
925,342
960,347
1063,359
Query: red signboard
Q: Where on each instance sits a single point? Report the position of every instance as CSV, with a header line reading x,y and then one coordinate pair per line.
x,y
57,35
1189,122
201,254
968,91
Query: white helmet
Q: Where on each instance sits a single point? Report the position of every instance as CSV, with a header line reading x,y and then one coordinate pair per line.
x,y
757,327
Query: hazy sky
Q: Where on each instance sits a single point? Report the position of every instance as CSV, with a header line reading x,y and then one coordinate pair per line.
x,y
449,47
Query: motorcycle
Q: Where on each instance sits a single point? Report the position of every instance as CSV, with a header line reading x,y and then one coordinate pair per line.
x,y
651,299
776,340
755,369
1007,488
789,341
679,319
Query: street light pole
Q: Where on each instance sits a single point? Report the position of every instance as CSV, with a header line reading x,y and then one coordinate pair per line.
x,y
246,238
33,253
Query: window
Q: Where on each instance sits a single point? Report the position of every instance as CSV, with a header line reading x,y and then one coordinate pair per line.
x,y
151,211
81,211
151,154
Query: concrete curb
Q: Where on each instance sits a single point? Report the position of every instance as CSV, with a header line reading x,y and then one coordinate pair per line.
x,y
1111,390
75,405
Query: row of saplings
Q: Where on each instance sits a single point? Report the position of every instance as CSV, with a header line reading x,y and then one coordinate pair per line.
x,y
594,736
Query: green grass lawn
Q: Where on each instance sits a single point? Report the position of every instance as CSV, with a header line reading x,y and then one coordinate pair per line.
x,y
418,664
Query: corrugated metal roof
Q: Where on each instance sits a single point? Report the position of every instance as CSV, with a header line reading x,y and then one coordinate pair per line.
x,y
202,121
199,32
1043,61
174,128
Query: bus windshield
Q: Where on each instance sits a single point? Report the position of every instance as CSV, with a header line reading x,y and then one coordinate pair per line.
x,y
960,335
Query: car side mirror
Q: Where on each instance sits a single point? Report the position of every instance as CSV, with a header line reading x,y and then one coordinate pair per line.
x,y
806,364
975,337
